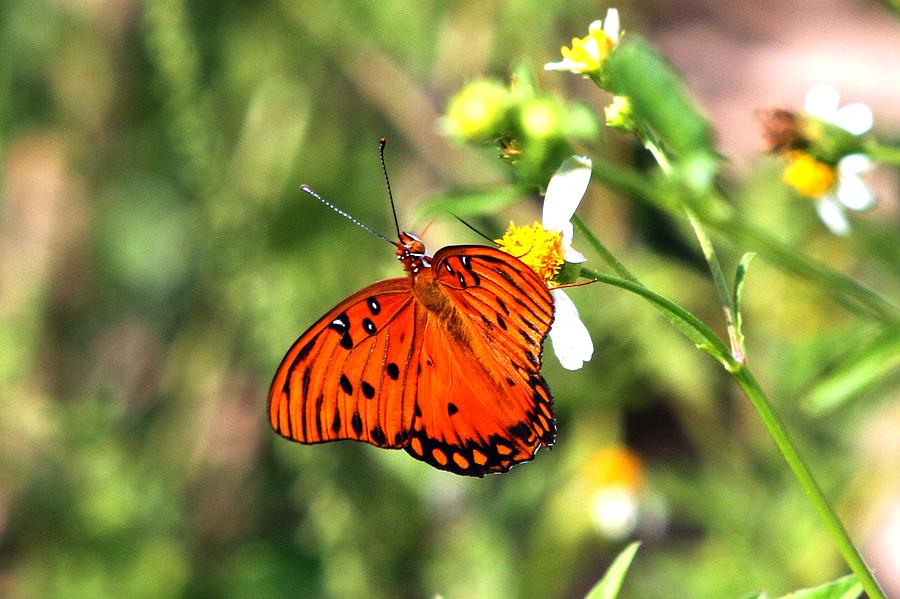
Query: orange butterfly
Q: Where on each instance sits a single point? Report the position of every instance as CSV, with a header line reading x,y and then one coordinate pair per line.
x,y
444,363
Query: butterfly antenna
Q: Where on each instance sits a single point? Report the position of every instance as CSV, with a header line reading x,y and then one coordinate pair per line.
x,y
381,143
472,228
309,190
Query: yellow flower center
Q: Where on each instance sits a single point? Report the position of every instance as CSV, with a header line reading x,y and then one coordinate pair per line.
x,y
590,51
808,176
539,248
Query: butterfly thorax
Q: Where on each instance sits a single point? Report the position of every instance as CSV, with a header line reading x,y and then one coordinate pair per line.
x,y
411,252
435,300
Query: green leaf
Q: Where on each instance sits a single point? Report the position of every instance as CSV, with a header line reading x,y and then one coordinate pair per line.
x,y
469,203
658,96
739,276
845,587
862,368
608,587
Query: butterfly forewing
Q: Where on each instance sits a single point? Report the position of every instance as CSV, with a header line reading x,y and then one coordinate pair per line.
x,y
483,405
344,378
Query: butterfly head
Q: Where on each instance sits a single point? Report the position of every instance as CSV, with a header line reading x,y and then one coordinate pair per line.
x,y
411,252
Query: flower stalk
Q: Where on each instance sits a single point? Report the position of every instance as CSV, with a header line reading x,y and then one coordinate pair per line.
x,y
751,388
736,366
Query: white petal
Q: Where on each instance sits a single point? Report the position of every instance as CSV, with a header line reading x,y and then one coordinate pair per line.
x,y
832,214
570,338
611,24
565,190
853,193
563,65
615,511
854,164
855,118
569,253
822,101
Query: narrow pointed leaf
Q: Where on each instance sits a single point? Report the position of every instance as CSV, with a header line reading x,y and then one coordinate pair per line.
x,y
609,586
845,587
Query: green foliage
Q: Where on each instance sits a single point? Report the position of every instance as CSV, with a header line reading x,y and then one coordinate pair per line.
x,y
157,259
658,97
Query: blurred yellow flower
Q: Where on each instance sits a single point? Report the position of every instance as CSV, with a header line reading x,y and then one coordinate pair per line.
x,y
540,119
615,466
619,114
808,176
587,54
476,112
615,475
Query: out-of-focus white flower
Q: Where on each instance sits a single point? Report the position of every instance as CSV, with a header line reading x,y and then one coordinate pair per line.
x,y
614,511
823,102
614,477
850,193
545,246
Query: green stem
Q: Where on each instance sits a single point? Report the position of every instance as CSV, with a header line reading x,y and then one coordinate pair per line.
x,y
738,370
691,326
745,379
882,153
725,295
605,254
651,142
681,319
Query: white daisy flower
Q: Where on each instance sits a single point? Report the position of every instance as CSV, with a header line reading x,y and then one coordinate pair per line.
x,y
850,193
840,188
545,246
587,54
823,102
571,341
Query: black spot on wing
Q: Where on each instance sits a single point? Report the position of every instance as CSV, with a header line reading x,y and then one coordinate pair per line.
x,y
522,431
393,371
346,387
452,409
340,324
378,435
346,341
356,423
369,326
336,423
319,401
367,390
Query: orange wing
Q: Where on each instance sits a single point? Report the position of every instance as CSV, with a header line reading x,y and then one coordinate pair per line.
x,y
348,376
482,405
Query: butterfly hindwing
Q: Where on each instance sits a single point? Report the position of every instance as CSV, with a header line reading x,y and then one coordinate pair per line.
x,y
483,405
347,376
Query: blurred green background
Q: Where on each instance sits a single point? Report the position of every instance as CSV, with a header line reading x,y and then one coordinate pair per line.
x,y
157,260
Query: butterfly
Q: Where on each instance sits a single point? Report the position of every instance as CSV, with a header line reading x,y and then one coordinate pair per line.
x,y
444,363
